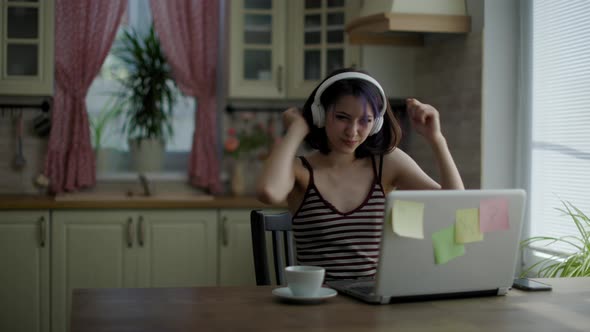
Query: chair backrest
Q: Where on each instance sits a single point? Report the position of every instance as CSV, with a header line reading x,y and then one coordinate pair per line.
x,y
278,224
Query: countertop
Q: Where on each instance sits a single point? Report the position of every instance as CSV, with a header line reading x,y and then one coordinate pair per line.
x,y
121,201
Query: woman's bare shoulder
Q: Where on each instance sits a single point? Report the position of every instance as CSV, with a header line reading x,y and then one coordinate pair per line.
x,y
395,157
301,171
404,173
394,163
302,178
314,159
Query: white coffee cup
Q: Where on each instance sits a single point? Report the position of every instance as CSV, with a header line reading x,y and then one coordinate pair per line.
x,y
304,280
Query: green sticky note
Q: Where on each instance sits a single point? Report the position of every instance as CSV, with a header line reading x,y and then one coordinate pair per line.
x,y
467,226
408,219
445,247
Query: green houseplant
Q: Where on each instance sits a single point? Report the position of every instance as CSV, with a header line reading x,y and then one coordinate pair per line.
x,y
99,123
574,264
100,126
147,97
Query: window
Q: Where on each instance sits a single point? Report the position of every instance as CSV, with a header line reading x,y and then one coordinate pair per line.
x,y
559,65
114,159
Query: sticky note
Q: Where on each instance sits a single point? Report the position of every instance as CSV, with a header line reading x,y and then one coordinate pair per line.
x,y
493,214
467,226
408,219
445,248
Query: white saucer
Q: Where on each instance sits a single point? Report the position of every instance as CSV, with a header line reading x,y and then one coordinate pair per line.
x,y
285,293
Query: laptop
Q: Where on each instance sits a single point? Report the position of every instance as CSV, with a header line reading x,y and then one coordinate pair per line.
x,y
407,268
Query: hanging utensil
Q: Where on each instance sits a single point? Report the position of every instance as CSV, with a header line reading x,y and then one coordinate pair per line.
x,y
42,124
19,158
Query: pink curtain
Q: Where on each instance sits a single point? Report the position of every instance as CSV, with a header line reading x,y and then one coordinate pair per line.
x,y
84,32
188,31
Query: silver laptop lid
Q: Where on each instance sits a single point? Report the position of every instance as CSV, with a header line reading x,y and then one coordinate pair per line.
x,y
407,266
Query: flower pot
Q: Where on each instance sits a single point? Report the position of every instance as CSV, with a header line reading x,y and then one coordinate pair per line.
x,y
238,183
105,158
147,155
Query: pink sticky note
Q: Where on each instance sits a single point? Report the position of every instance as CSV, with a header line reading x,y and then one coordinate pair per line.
x,y
493,215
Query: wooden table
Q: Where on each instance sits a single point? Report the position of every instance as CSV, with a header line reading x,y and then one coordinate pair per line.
x,y
566,308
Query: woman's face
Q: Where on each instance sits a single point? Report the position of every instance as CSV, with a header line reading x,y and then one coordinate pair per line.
x,y
348,124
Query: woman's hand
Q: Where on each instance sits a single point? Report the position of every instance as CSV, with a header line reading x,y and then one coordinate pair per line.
x,y
425,119
292,117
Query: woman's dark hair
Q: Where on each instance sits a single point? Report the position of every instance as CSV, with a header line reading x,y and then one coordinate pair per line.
x,y
380,143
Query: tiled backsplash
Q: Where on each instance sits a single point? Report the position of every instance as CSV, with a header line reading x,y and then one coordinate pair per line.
x,y
244,118
448,76
20,181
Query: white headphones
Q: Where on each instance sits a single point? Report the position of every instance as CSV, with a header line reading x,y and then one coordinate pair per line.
x,y
319,113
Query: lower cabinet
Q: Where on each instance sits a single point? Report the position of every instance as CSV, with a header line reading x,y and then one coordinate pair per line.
x,y
114,249
130,248
24,271
236,261
179,248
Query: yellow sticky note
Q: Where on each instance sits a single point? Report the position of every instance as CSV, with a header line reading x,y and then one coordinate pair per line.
x,y
408,219
445,248
467,226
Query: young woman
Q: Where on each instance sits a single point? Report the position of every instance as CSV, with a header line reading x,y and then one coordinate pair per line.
x,y
336,194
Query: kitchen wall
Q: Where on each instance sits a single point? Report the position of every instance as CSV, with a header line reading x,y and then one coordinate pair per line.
x,y
504,124
394,67
447,73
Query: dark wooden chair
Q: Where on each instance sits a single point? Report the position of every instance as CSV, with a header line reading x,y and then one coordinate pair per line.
x,y
279,224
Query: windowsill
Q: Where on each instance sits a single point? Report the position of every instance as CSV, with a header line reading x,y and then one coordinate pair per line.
x,y
547,253
133,176
534,255
130,184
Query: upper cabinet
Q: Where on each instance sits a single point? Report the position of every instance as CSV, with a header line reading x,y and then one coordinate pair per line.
x,y
26,47
405,22
283,49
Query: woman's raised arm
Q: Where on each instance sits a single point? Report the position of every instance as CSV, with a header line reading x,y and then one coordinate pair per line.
x,y
278,174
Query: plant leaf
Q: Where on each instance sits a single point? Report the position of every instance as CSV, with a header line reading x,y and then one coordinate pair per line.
x,y
149,90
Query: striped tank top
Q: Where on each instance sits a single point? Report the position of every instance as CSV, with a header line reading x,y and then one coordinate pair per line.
x,y
345,244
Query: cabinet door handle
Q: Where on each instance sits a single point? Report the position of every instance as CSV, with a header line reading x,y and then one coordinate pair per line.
x,y
42,231
140,232
280,78
129,232
224,238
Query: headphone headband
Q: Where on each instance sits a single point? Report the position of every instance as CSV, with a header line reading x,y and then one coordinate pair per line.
x,y
318,111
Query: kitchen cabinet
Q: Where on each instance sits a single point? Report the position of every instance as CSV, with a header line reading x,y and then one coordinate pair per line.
x,y
283,49
24,271
130,248
26,47
180,248
236,263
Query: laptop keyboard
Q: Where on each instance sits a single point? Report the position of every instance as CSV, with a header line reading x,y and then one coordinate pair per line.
x,y
363,289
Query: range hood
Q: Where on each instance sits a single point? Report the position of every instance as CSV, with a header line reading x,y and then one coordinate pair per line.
x,y
404,22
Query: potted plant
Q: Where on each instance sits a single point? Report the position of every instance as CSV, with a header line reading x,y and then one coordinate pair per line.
x,y
574,264
241,146
147,97
99,124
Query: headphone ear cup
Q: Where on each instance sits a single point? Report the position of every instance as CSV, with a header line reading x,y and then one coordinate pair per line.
x,y
377,125
318,115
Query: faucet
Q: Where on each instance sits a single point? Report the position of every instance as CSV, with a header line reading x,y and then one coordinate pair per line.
x,y
145,184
